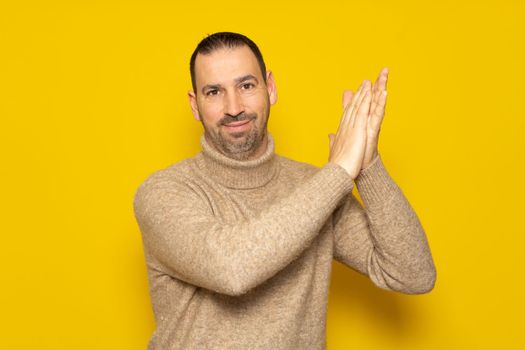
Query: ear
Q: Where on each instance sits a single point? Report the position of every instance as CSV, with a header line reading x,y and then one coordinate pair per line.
x,y
193,103
272,88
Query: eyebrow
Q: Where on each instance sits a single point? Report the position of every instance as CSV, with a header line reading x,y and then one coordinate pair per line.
x,y
237,81
211,87
246,77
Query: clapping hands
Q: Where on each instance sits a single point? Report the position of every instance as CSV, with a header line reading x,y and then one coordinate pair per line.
x,y
355,144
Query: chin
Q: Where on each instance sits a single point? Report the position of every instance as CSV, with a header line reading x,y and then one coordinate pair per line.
x,y
238,135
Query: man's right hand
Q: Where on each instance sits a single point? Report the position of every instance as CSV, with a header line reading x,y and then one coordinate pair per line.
x,y
347,146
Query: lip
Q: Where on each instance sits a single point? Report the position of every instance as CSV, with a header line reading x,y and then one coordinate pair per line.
x,y
237,126
242,122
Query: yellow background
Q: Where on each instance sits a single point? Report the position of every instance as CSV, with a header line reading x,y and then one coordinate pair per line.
x,y
93,100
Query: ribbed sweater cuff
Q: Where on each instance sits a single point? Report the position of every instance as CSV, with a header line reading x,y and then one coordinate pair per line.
x,y
374,184
336,181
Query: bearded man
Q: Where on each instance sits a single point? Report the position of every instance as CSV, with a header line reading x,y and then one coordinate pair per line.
x,y
239,241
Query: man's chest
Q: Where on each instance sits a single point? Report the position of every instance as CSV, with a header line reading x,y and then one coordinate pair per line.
x,y
232,205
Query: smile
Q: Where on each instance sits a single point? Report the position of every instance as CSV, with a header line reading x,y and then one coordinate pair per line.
x,y
238,126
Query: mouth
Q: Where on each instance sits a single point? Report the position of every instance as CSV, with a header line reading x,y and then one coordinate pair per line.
x,y
238,126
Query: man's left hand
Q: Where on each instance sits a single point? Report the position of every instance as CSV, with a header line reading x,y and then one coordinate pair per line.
x,y
375,116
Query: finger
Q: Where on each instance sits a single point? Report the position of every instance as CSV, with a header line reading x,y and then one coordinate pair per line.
x,y
359,101
375,100
383,79
331,138
347,97
378,108
349,109
377,116
362,113
376,84
385,72
342,121
379,85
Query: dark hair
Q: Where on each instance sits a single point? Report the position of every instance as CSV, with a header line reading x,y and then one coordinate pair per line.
x,y
224,40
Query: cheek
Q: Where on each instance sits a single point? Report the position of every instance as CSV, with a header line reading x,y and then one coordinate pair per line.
x,y
211,112
256,103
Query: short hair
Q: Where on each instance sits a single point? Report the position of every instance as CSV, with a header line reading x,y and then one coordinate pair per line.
x,y
221,40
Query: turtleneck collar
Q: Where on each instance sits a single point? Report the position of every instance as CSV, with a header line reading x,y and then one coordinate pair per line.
x,y
234,173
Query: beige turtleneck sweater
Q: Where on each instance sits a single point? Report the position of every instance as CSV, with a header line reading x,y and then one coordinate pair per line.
x,y
239,253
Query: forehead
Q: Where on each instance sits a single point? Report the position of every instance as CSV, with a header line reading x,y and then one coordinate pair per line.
x,y
222,66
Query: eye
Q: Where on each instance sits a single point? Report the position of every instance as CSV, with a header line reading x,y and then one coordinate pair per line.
x,y
212,92
247,86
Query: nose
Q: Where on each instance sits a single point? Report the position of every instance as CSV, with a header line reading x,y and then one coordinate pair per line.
x,y
233,105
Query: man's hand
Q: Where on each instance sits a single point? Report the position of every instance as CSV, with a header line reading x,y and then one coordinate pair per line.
x,y
376,112
347,147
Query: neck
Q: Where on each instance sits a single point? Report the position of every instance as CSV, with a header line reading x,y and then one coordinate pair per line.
x,y
261,150
233,173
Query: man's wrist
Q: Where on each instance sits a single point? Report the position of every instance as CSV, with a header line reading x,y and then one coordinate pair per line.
x,y
371,163
375,184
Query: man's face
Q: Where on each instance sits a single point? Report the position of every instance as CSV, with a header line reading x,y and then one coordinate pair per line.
x,y
233,102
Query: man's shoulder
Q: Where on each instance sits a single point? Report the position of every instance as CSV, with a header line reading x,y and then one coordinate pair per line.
x,y
178,172
163,185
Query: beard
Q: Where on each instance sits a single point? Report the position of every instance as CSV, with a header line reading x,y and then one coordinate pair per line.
x,y
244,143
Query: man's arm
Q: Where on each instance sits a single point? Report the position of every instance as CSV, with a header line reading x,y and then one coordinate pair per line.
x,y
384,240
180,230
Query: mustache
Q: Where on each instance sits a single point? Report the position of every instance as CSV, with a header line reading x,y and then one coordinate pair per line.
x,y
227,119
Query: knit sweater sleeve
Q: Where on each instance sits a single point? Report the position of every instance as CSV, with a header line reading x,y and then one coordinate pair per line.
x,y
384,240
180,231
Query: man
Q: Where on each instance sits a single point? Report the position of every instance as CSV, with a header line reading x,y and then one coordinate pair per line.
x,y
239,241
